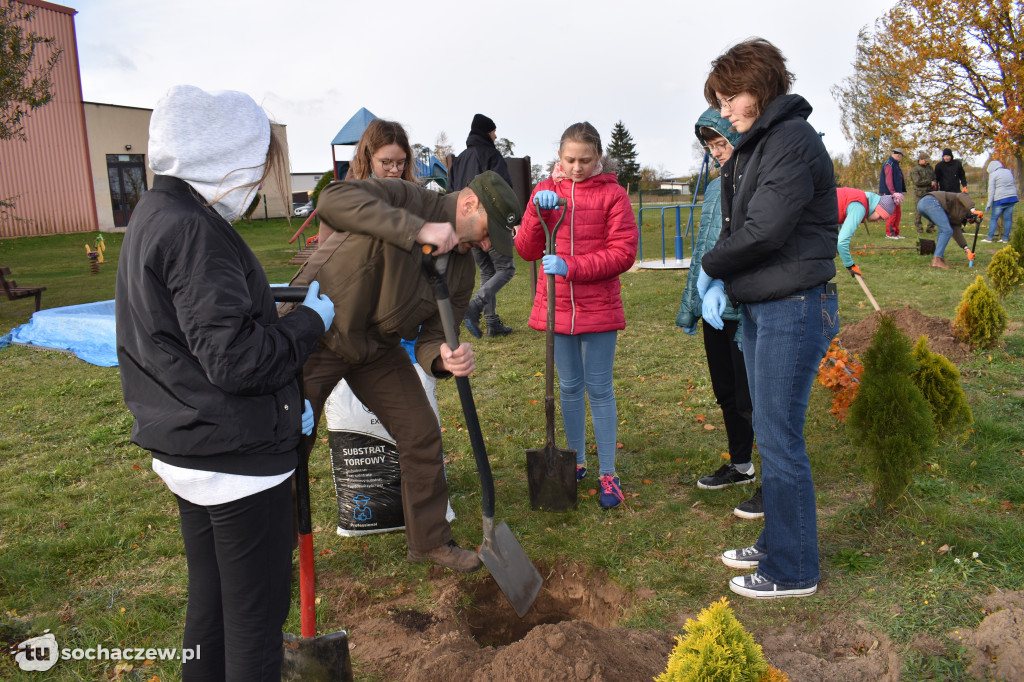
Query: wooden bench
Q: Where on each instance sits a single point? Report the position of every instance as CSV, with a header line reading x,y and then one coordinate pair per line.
x,y
14,292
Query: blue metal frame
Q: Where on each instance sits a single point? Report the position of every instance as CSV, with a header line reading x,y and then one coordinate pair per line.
x,y
702,178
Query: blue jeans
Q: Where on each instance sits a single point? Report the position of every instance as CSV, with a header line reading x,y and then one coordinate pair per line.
x,y
783,342
931,209
584,363
1006,211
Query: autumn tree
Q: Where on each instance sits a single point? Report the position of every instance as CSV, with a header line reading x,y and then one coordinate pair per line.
x,y
623,151
25,80
939,73
504,146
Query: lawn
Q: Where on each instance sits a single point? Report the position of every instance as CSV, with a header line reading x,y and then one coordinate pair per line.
x,y
90,547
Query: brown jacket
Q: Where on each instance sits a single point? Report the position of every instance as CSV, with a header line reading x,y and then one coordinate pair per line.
x,y
370,268
957,206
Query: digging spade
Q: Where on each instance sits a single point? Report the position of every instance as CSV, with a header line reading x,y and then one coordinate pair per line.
x,y
501,553
551,471
310,658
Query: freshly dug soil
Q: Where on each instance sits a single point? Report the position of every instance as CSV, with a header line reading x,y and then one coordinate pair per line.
x,y
857,337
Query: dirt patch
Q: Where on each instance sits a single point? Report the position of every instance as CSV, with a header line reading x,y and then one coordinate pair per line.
x,y
857,337
997,644
471,633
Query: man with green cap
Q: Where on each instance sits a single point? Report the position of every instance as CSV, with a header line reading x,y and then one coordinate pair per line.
x,y
370,265
922,177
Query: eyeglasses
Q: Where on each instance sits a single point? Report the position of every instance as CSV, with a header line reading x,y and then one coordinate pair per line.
x,y
721,145
388,164
724,104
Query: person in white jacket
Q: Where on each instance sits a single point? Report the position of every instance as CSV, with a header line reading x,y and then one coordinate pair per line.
x,y
1002,195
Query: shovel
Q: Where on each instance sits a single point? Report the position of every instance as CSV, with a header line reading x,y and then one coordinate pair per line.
x,y
310,657
501,553
551,471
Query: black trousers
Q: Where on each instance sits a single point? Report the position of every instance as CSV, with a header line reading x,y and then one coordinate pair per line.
x,y
239,584
729,383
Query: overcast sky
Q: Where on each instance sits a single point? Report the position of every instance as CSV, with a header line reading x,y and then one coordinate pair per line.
x,y
534,69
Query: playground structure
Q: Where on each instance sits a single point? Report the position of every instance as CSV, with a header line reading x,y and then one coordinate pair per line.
x,y
679,262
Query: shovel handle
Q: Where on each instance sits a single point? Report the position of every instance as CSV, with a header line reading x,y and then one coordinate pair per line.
x,y
549,337
451,337
864,286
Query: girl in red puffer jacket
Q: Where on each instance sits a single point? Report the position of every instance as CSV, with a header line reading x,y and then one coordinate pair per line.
x,y
596,242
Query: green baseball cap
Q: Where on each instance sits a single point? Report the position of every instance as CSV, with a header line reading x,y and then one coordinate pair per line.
x,y
504,211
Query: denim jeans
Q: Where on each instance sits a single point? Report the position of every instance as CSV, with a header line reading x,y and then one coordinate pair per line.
x,y
1006,211
931,209
584,363
783,342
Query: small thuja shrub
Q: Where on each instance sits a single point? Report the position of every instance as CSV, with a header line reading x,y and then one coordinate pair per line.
x,y
1005,271
1017,241
980,318
717,648
890,420
840,372
940,384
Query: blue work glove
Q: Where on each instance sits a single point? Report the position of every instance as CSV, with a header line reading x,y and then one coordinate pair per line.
x,y
545,199
703,282
555,265
320,304
692,331
714,304
307,420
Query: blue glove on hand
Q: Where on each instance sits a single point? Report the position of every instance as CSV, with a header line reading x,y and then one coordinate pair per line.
x,y
307,420
692,331
703,282
545,199
714,304
555,265
320,304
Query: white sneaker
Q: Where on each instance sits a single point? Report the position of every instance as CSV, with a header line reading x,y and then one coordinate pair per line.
x,y
759,587
987,240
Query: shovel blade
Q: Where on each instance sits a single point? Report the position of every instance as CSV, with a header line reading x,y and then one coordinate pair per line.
x,y
312,659
551,477
515,574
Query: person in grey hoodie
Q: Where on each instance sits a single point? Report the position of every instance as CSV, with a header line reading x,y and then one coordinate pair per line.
x,y
1002,196
725,358
210,373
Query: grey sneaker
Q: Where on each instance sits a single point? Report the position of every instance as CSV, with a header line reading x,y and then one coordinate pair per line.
x,y
726,476
748,557
759,587
450,556
752,508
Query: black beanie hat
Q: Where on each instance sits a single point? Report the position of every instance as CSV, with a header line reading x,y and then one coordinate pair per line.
x,y
947,152
482,125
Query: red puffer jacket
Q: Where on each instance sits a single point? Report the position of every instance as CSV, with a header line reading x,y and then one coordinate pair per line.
x,y
597,239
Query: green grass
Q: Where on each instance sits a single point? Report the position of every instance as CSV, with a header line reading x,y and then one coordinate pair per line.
x,y
90,546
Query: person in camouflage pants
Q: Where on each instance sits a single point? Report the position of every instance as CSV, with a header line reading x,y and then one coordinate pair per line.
x,y
922,179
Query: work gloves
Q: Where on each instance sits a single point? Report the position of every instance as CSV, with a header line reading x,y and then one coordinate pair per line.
x,y
321,305
307,420
555,265
714,304
854,271
545,199
703,282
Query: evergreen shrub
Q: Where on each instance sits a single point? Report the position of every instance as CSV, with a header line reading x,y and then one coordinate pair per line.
x,y
1005,271
890,420
940,384
980,318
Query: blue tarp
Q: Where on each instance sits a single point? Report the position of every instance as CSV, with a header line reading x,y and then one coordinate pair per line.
x,y
87,330
353,130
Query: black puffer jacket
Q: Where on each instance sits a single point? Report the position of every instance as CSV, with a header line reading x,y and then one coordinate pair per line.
x,y
207,367
779,208
480,155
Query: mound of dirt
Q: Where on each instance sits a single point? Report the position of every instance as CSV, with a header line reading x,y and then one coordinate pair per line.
x,y
569,634
857,337
998,641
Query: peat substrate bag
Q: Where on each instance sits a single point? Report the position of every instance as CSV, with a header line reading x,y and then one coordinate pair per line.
x,y
367,476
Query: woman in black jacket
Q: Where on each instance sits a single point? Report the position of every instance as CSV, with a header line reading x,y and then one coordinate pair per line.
x,y
775,255
209,372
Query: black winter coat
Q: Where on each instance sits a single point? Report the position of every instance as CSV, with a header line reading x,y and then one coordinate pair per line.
x,y
207,368
779,208
950,176
480,155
